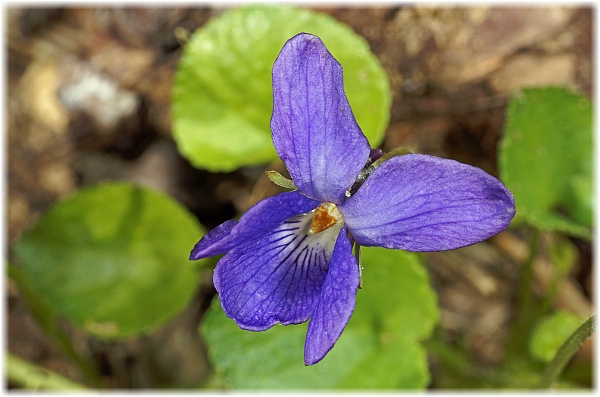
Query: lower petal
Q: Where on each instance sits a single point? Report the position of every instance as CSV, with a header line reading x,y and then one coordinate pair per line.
x,y
336,304
276,279
425,203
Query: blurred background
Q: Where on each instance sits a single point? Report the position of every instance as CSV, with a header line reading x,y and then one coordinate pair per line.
x,y
89,96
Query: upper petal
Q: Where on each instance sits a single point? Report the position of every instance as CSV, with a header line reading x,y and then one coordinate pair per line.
x,y
314,130
258,220
336,303
424,203
276,279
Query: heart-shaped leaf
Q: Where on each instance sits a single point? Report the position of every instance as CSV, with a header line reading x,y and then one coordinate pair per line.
x,y
222,94
546,159
378,349
550,333
113,259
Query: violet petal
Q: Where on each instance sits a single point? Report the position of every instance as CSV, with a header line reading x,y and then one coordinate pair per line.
x,y
276,279
212,238
336,304
423,203
258,220
314,130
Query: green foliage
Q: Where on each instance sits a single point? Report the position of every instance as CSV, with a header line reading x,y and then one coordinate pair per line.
x,y
222,94
563,256
379,348
32,377
546,159
550,333
113,259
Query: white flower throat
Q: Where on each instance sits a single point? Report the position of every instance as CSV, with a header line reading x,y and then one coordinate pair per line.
x,y
325,216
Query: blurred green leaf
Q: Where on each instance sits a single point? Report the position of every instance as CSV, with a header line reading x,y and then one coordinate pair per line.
x,y
113,259
563,255
557,222
581,198
546,159
222,94
48,319
550,333
379,348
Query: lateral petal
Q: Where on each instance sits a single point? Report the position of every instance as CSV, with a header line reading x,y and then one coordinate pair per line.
x,y
258,220
211,240
314,130
424,203
336,303
276,279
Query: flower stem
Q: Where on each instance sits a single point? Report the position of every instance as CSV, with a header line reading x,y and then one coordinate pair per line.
x,y
47,319
358,257
32,377
369,168
399,151
566,352
524,316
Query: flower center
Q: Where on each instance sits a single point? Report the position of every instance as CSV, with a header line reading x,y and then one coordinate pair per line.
x,y
325,216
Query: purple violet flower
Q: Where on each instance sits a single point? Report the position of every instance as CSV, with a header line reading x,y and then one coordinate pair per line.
x,y
289,258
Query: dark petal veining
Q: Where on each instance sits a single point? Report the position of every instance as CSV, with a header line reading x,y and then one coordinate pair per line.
x,y
258,220
276,279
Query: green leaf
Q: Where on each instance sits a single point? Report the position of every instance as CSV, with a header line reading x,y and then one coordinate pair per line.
x,y
378,349
563,255
48,319
557,222
581,198
550,333
546,159
222,94
113,259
